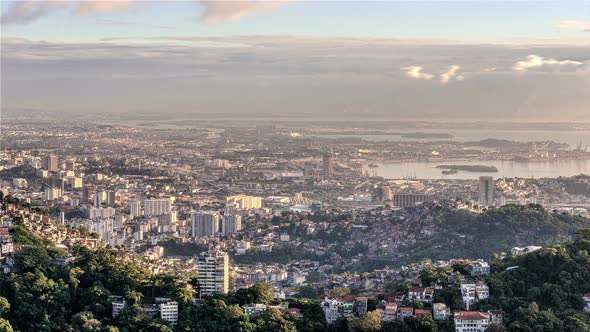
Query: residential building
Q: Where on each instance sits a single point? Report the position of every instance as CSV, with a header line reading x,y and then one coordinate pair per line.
x,y
440,311
204,224
118,304
231,224
157,206
169,311
213,273
404,312
471,321
244,202
478,268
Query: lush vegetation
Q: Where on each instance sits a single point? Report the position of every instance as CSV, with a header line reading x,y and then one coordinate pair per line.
x,y
44,294
544,292
460,233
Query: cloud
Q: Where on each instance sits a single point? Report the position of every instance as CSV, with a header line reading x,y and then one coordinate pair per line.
x,y
574,25
450,74
416,72
228,11
24,12
215,11
92,7
534,61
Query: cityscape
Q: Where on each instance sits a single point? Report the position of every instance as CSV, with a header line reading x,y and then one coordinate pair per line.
x,y
300,198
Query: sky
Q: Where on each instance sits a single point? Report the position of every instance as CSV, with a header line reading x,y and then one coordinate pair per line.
x,y
518,60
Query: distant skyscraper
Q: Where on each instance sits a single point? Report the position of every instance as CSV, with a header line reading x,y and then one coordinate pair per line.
x,y
486,190
327,164
213,273
204,224
50,163
231,224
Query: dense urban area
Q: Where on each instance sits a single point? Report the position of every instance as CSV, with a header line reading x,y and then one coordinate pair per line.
x,y
259,225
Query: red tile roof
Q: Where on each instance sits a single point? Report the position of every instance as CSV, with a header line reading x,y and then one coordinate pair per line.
x,y
471,315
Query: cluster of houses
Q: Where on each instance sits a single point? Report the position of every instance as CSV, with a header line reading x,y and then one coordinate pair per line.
x,y
6,251
256,309
399,305
163,307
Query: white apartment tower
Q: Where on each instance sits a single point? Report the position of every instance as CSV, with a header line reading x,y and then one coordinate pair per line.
x,y
244,202
231,224
213,273
135,209
157,206
204,224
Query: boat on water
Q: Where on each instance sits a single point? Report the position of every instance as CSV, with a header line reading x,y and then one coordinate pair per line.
x,y
450,171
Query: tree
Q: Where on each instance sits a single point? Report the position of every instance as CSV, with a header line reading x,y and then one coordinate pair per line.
x,y
5,325
272,320
371,322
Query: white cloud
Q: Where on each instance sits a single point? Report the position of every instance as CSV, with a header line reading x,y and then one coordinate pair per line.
x,y
450,74
215,11
416,72
534,61
92,7
574,25
227,11
24,12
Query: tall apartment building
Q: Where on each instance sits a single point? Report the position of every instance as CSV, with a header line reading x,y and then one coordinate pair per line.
x,y
85,199
328,164
50,163
135,209
410,199
244,202
204,224
231,224
111,197
100,197
486,190
157,206
213,273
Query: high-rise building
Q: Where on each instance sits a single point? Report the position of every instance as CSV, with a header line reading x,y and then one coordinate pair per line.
x,y
157,206
204,224
231,224
111,198
50,163
410,199
328,164
100,197
135,209
244,202
85,199
486,190
213,273
52,194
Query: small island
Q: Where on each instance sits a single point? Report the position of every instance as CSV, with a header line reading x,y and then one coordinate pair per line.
x,y
469,168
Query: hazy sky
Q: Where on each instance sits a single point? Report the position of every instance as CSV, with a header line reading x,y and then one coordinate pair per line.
x,y
467,59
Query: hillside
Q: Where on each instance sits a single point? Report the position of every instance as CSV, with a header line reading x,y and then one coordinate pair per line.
x,y
460,233
544,292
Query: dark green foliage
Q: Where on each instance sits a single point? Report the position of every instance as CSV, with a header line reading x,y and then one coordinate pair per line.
x,y
468,235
